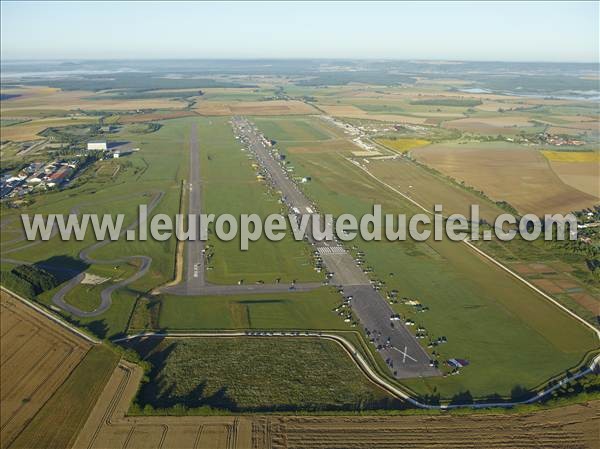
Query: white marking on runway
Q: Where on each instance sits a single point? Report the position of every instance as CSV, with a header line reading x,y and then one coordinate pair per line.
x,y
405,354
331,250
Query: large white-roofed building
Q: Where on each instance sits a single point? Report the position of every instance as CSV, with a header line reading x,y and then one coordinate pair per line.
x,y
99,145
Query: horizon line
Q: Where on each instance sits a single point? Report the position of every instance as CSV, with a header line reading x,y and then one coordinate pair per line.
x,y
307,58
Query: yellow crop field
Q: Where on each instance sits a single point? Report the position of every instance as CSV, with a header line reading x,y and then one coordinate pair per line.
x,y
572,156
403,145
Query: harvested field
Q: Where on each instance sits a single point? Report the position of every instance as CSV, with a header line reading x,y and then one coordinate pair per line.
x,y
153,116
30,130
583,177
277,107
577,118
428,189
108,426
494,106
580,124
37,356
573,427
413,94
354,112
563,130
579,169
58,423
511,173
36,98
439,115
368,154
490,125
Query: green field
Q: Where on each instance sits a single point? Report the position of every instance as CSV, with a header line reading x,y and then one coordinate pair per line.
x,y
157,167
565,261
507,332
87,296
231,187
295,128
301,310
254,374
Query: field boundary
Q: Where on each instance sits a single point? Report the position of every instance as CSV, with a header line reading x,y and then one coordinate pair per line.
x,y
366,368
490,258
179,250
53,317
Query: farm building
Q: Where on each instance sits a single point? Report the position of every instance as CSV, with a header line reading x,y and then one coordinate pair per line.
x,y
100,145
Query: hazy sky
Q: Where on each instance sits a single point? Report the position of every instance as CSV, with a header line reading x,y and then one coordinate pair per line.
x,y
512,31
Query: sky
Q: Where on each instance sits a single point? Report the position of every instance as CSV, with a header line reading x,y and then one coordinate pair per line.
x,y
498,31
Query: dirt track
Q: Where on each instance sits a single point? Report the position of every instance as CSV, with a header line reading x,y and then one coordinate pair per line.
x,y
108,427
574,426
37,355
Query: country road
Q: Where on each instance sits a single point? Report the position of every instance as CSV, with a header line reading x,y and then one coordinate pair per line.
x,y
106,294
366,368
495,261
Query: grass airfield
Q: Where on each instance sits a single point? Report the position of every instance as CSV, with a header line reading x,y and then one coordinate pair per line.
x,y
481,310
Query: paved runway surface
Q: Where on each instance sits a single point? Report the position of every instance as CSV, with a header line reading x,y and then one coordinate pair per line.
x,y
194,249
194,277
194,282
402,352
398,347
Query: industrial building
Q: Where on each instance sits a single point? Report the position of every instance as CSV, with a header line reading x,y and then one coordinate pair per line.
x,y
99,145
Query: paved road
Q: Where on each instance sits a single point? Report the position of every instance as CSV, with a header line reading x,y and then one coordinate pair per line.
x,y
194,283
398,347
106,294
225,290
500,265
365,367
